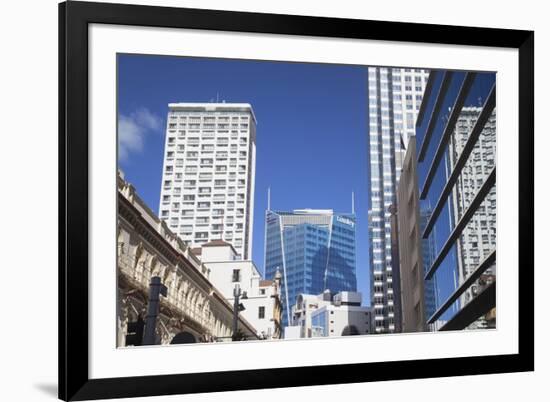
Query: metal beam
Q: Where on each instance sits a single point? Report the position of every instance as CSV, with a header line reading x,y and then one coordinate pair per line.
x,y
480,305
481,268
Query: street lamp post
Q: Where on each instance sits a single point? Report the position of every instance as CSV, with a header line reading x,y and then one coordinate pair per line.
x,y
156,288
238,294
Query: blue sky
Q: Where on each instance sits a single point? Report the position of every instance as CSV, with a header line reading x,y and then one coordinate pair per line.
x,y
311,136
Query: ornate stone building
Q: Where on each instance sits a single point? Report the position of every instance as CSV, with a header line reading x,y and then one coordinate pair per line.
x,y
193,310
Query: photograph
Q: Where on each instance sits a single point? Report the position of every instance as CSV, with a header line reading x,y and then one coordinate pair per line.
x,y
272,200
276,201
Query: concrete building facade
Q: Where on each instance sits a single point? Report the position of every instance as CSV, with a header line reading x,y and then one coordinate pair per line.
x,y
302,310
413,310
329,314
263,307
207,189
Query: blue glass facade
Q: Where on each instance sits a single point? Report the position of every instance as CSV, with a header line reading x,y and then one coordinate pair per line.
x,y
319,323
456,179
428,256
314,250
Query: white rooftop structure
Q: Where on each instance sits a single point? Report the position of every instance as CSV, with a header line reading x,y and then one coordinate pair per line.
x,y
309,211
214,107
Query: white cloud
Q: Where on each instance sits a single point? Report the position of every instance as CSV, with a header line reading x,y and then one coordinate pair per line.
x,y
147,119
133,129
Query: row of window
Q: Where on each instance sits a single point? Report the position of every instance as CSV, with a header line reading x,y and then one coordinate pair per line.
x,y
220,142
208,118
192,183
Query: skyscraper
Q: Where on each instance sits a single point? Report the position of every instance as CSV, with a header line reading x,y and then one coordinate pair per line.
x,y
207,189
395,96
314,250
456,130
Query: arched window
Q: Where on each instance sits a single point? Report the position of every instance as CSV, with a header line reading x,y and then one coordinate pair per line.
x,y
350,330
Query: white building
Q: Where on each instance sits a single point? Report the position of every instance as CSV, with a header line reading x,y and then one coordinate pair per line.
x,y
292,332
207,189
478,238
305,305
263,308
395,96
326,315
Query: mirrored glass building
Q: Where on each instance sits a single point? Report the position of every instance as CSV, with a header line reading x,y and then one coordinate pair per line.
x,y
456,133
314,250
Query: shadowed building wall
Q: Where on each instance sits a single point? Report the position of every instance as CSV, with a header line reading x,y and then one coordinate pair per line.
x,y
410,246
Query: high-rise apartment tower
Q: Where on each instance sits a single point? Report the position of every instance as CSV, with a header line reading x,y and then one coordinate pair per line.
x,y
207,189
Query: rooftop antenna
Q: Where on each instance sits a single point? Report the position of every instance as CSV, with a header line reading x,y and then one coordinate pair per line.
x,y
353,203
217,97
269,198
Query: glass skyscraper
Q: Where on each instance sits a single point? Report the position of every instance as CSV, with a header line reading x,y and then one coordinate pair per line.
x,y
395,96
457,180
314,250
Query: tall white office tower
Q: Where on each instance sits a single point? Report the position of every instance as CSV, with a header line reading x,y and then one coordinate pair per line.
x,y
395,96
207,189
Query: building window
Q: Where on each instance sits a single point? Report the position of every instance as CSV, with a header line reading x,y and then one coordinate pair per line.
x,y
236,275
261,312
262,291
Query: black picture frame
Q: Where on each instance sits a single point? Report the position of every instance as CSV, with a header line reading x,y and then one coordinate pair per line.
x,y
74,18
